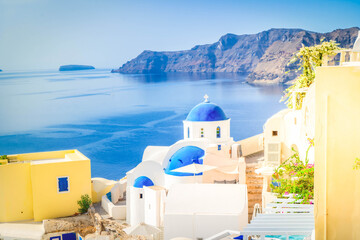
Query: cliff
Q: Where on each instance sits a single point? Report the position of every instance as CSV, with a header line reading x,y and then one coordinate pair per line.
x,y
75,67
263,56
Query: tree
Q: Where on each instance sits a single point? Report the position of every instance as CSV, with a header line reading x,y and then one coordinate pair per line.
x,y
309,58
84,203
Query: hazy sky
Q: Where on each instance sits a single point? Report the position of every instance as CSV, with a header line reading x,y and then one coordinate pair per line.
x,y
43,34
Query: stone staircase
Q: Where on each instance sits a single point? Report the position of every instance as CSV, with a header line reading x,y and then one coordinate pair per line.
x,y
254,184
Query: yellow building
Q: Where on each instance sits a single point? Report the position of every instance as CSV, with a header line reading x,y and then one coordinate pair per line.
x,y
337,145
43,185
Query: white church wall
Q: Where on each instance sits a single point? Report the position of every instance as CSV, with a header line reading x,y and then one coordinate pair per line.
x,y
171,180
154,205
136,205
150,169
209,130
128,204
155,153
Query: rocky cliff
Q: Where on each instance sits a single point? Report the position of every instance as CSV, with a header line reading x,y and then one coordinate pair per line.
x,y
264,56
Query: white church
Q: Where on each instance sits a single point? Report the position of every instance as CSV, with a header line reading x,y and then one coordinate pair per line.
x,y
194,188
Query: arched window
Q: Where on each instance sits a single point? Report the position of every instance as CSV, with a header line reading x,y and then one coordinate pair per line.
x,y
218,134
202,133
188,132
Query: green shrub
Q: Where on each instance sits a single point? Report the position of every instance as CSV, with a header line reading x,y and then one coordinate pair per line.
x,y
2,157
84,203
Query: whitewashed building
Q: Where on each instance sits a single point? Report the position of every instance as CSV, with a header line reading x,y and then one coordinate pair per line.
x,y
207,141
285,131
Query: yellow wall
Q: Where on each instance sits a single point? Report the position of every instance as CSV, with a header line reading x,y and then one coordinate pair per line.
x,y
337,144
48,203
16,201
28,190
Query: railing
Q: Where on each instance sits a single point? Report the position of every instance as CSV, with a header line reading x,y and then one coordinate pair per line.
x,y
347,56
281,217
257,210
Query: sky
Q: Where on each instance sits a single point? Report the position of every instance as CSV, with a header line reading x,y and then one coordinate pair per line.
x,y
44,34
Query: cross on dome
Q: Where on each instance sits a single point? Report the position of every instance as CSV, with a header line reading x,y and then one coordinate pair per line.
x,y
206,97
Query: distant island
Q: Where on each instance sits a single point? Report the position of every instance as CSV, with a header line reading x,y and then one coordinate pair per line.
x,y
75,67
264,56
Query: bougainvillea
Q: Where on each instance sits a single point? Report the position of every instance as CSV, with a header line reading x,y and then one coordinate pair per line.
x,y
296,177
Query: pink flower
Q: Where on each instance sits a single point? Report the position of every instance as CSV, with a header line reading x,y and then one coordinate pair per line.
x,y
310,166
286,193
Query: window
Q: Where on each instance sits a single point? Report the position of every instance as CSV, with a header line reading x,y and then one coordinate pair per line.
x,y
218,132
219,147
202,133
141,195
63,184
55,238
274,133
188,132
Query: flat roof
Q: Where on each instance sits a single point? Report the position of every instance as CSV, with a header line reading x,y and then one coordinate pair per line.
x,y
47,157
53,160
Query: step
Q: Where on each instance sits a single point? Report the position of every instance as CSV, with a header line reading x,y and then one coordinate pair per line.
x,y
254,175
254,181
254,185
253,198
255,191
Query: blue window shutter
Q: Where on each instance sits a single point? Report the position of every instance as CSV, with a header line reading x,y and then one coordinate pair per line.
x,y
63,184
69,236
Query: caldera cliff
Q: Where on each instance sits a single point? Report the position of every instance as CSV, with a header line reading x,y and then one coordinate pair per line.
x,y
263,56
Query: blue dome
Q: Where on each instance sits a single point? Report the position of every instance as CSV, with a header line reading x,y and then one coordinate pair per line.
x,y
182,157
142,181
206,111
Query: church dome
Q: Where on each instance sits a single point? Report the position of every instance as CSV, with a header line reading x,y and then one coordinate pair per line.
x,y
142,181
206,111
183,157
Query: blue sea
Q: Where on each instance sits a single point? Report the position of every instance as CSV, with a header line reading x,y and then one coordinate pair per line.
x,y
112,117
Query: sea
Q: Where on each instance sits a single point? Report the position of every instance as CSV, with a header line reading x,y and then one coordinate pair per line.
x,y
111,118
